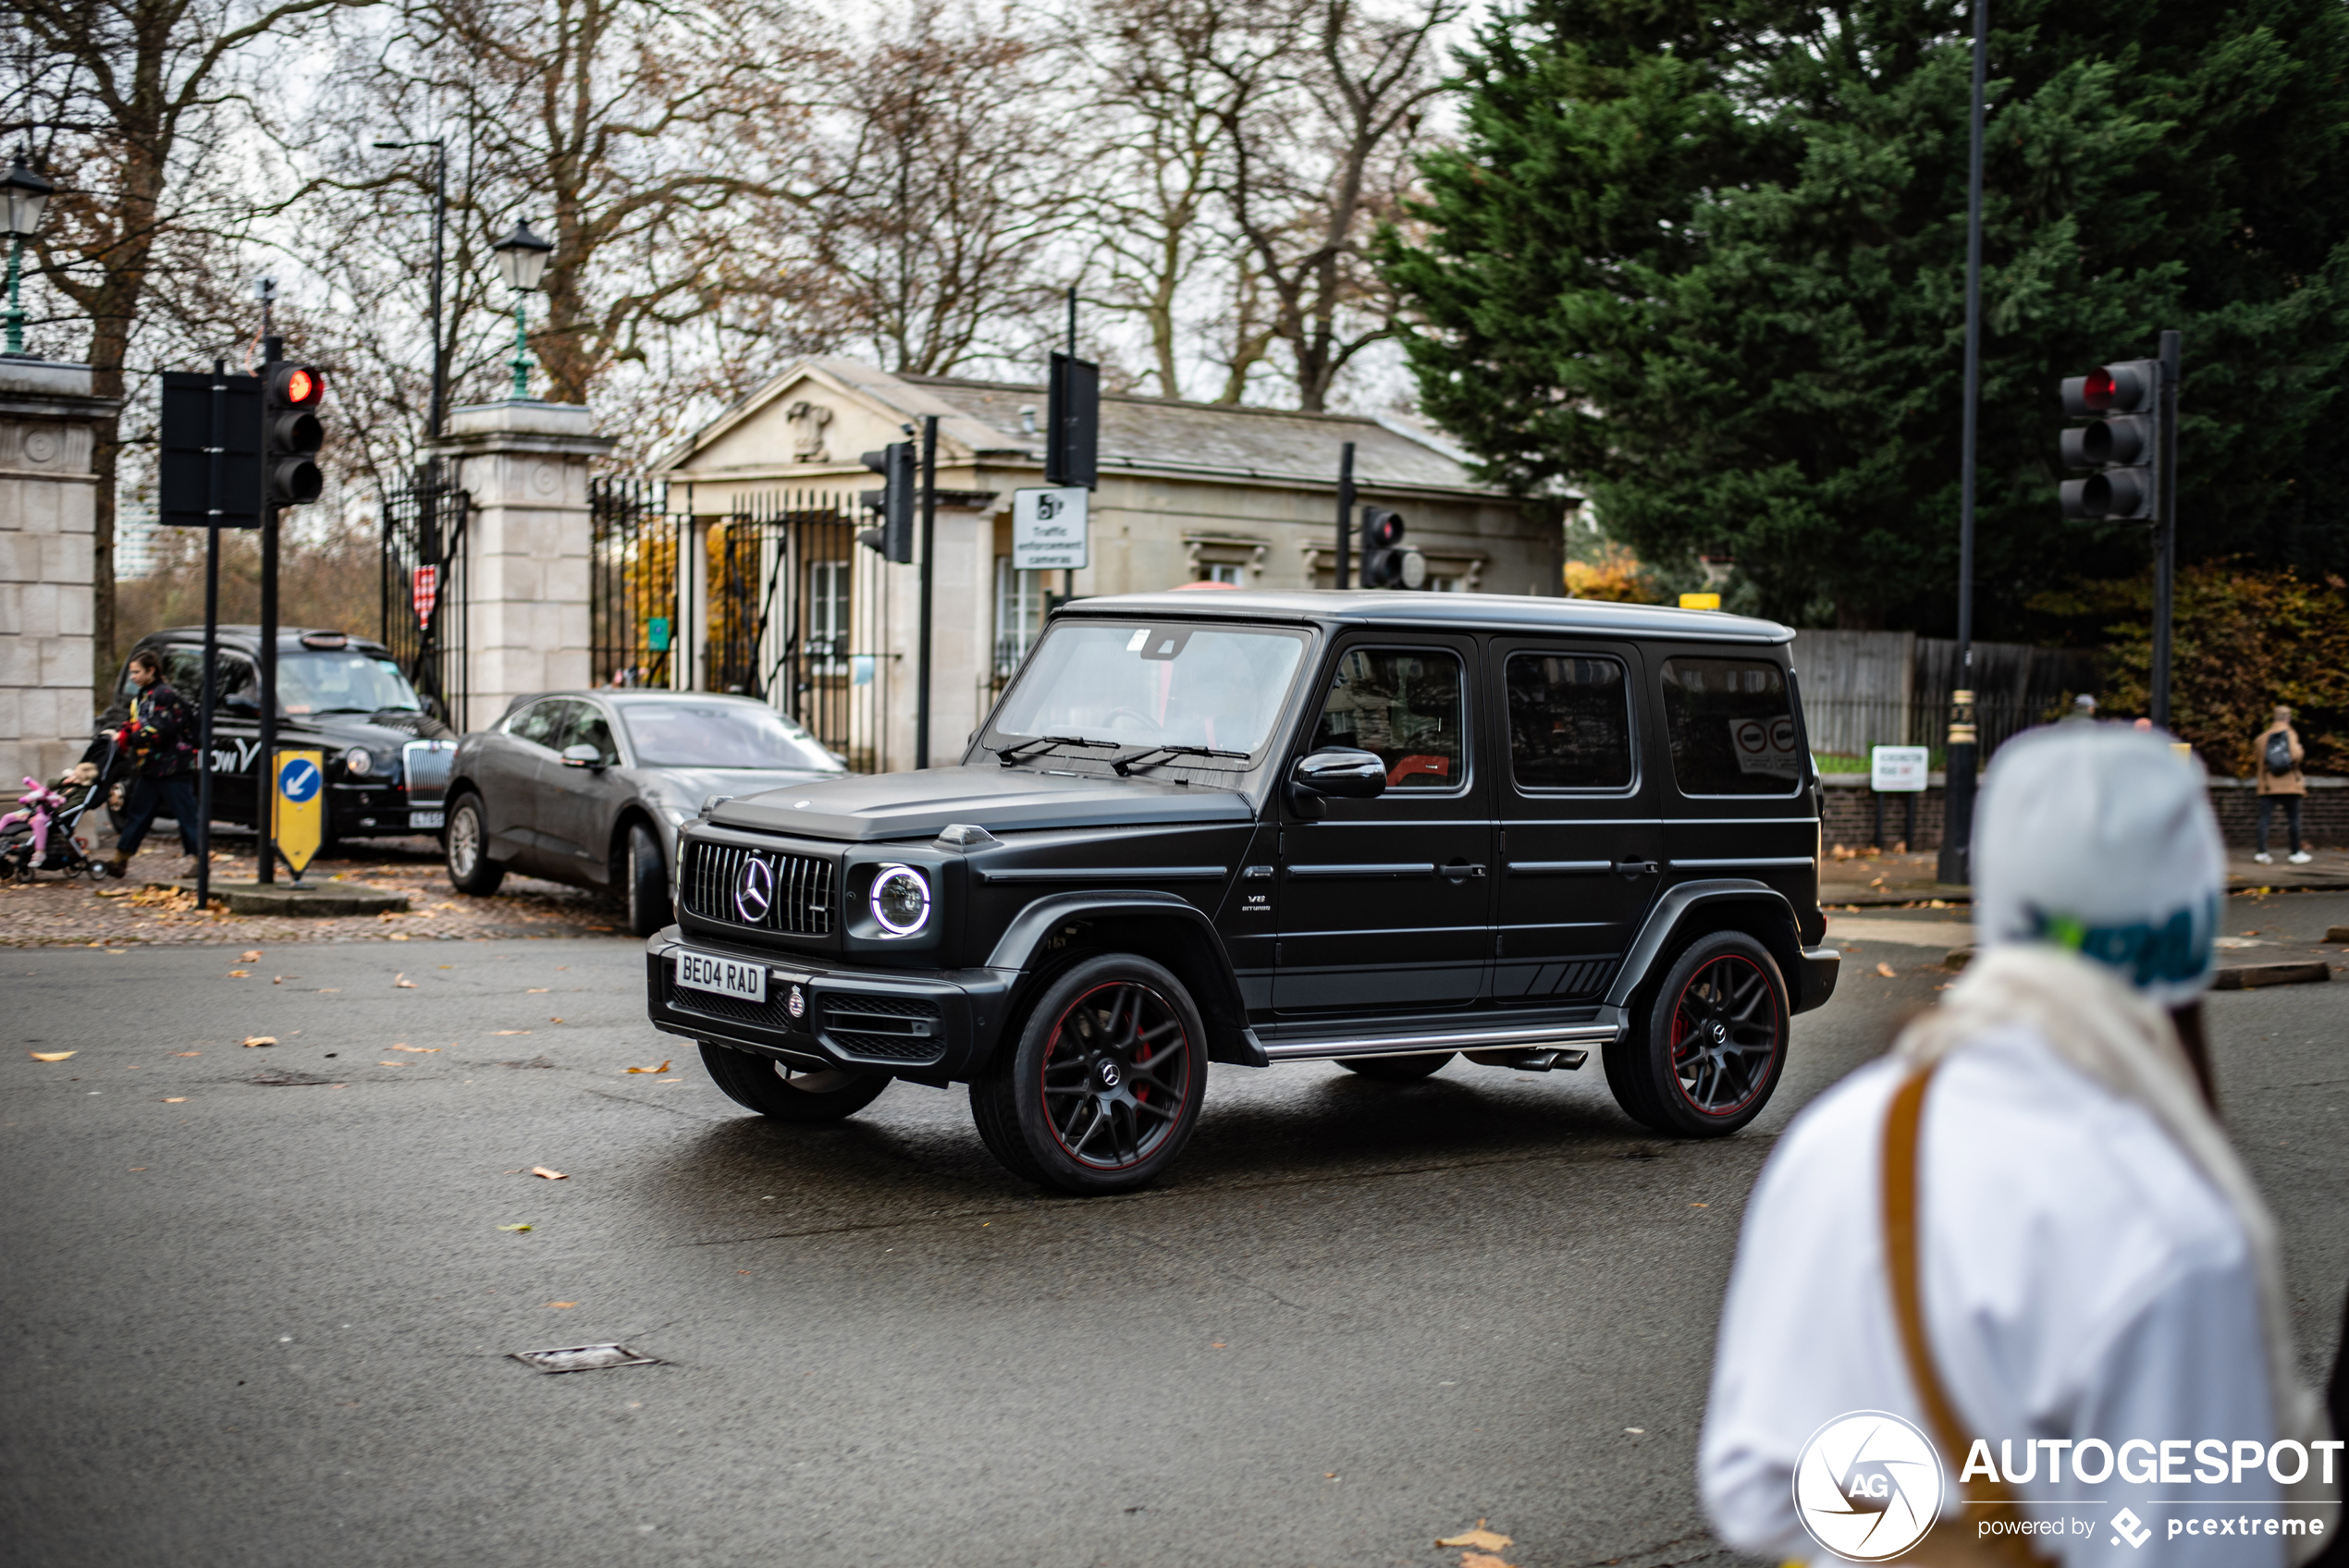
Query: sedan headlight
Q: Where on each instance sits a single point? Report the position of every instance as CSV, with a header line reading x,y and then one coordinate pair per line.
x,y
901,899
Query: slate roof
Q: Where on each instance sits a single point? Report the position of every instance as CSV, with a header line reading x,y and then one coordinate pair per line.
x,y
1165,434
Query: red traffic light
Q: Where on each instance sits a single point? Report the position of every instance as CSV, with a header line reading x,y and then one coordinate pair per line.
x,y
300,386
1382,530
2123,388
296,387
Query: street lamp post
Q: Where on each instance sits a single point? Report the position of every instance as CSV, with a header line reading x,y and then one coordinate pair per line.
x,y
522,257
27,196
439,226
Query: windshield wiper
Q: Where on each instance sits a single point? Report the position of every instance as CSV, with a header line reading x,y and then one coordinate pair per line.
x,y
1125,765
1016,752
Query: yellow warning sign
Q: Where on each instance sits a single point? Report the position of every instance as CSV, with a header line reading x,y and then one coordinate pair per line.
x,y
1700,601
298,806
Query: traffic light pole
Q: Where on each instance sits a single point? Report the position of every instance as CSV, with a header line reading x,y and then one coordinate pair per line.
x,y
1345,513
930,549
265,781
1957,828
2165,546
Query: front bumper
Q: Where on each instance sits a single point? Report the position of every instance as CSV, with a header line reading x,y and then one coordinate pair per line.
x,y
932,1024
1816,976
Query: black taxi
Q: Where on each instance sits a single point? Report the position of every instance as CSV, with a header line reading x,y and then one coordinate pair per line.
x,y
1375,828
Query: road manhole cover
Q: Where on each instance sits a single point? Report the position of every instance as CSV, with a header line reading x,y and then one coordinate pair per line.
x,y
582,1359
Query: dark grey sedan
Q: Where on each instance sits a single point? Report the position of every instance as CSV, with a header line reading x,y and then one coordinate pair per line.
x,y
588,786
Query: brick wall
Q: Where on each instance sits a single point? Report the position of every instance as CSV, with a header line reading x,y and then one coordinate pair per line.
x,y
2324,818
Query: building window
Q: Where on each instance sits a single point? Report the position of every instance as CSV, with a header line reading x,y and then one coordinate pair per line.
x,y
1019,614
1439,582
828,618
1232,572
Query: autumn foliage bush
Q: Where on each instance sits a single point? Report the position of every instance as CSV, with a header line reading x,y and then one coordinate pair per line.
x,y
2245,640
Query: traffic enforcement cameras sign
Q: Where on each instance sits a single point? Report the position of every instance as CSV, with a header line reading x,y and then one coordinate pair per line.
x,y
1049,529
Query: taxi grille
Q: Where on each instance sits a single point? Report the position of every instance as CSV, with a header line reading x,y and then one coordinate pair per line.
x,y
801,903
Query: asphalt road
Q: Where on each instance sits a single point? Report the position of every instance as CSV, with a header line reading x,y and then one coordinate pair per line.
x,y
268,1325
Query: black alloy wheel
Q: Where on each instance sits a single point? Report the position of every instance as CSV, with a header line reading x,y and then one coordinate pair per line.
x,y
644,881
1396,1068
1706,1053
465,843
1102,1088
786,1093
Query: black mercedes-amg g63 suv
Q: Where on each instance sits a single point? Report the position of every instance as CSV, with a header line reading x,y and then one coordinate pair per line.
x,y
1377,828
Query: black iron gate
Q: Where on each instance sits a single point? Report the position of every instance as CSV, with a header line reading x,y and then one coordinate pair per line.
x,y
784,607
424,586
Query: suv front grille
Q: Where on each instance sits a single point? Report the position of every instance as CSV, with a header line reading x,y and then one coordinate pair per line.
x,y
801,903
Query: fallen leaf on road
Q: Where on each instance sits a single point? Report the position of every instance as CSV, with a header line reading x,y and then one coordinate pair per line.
x,y
328,990
261,1040
513,1227
391,1064
181,1100
403,983
509,1031
662,1068
554,1021
550,1175
537,990
281,979
60,1055
1885,970
420,1050
399,935
1479,1538
562,1305
1482,1560
186,1053
240,974
1700,1205
252,956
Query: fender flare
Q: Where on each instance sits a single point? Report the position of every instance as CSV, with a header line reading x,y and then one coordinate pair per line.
x,y
1223,1008
1671,911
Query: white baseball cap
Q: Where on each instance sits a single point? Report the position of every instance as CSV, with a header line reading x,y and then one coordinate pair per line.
x,y
2101,839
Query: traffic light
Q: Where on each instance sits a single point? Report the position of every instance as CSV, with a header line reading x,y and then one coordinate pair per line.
x,y
894,502
2125,401
1387,562
292,434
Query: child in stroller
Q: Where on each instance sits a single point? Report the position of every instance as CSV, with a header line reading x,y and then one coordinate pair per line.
x,y
40,835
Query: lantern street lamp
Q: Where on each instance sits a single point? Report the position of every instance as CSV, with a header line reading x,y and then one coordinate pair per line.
x,y
522,257
27,194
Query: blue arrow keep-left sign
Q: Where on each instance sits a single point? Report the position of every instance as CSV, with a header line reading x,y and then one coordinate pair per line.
x,y
299,780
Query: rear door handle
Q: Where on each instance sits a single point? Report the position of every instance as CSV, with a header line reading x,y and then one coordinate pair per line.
x,y
1636,868
1459,872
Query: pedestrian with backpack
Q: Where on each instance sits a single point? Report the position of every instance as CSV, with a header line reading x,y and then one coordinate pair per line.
x,y
2281,781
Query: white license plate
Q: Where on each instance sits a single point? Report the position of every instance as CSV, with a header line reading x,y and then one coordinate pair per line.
x,y
427,820
727,977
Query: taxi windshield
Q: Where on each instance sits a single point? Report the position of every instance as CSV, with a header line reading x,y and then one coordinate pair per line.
x,y
347,683
1219,688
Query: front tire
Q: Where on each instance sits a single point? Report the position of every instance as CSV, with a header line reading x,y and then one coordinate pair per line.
x,y
644,881
1396,1068
789,1093
1102,1089
465,843
1705,1055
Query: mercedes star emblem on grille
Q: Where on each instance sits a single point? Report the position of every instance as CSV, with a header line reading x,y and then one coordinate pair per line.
x,y
755,890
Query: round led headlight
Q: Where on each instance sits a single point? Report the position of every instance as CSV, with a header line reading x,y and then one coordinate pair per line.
x,y
358,763
901,899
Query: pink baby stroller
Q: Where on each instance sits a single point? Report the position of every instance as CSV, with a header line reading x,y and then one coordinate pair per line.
x,y
43,832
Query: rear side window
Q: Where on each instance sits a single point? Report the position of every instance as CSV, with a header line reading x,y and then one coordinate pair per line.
x,y
1570,722
539,722
1404,703
1731,726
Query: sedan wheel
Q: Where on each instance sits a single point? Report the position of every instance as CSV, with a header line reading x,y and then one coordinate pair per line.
x,y
465,843
645,881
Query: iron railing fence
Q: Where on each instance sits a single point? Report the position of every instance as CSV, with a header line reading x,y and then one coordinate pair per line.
x,y
424,589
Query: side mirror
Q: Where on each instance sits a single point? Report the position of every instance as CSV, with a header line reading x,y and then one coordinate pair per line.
x,y
582,755
1340,773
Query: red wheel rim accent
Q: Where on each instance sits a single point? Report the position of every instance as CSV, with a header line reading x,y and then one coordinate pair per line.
x,y
1727,1032
1116,1075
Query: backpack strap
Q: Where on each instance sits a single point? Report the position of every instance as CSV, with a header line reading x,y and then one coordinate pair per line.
x,y
1904,1264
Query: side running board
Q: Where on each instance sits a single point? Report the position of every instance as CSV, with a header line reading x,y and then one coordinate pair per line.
x,y
1553,1036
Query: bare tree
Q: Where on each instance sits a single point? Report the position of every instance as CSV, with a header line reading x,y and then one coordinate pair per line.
x,y
126,102
954,182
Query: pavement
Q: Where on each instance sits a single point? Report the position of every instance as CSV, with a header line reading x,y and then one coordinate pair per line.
x,y
262,1323
1865,880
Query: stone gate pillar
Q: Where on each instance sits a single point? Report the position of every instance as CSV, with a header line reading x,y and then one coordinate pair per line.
x,y
48,513
526,548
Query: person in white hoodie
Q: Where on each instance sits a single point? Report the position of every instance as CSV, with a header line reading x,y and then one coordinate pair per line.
x,y
2021,1245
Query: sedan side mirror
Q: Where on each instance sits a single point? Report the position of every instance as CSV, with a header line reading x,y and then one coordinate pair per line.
x,y
582,755
1341,773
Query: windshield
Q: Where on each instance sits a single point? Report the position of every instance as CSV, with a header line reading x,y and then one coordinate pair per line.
x,y
352,682
1173,684
720,735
